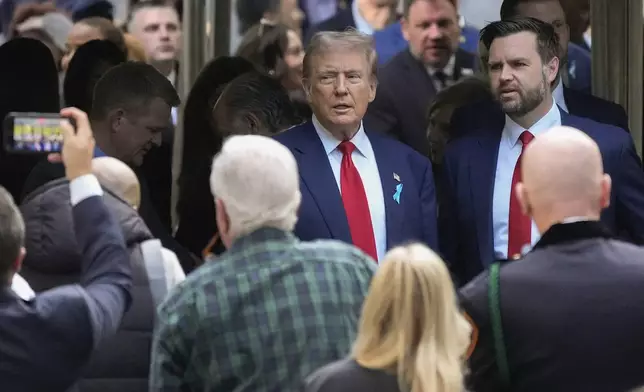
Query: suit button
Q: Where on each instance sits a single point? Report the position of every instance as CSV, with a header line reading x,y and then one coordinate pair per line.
x,y
516,256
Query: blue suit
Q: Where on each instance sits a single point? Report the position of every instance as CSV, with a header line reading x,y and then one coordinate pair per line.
x,y
390,41
54,335
468,177
412,217
579,65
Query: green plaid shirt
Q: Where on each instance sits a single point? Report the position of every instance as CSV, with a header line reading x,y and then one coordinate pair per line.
x,y
261,317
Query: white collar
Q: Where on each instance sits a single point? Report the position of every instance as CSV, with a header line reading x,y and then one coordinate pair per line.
x,y
330,143
448,70
558,95
512,131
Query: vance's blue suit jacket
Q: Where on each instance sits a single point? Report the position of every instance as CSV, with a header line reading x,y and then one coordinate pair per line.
x,y
322,215
469,169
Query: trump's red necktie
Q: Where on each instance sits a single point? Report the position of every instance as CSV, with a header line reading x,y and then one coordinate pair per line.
x,y
355,202
519,225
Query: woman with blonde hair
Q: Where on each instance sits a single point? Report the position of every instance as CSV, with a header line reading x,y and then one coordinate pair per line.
x,y
411,337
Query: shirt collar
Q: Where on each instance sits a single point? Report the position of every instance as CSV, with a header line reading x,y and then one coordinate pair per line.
x,y
512,131
361,23
448,70
172,77
558,96
330,143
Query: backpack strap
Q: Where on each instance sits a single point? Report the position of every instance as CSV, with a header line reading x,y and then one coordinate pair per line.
x,y
497,325
155,268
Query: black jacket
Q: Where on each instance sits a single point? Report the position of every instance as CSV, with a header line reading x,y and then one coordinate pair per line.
x,y
572,315
120,364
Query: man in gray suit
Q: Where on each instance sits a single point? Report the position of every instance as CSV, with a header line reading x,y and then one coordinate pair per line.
x,y
568,316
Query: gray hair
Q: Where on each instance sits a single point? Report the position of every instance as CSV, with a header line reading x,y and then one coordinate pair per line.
x,y
351,39
257,179
12,232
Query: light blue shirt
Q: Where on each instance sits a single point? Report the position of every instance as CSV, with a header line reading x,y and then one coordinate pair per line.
x,y
509,152
320,10
365,161
361,23
558,96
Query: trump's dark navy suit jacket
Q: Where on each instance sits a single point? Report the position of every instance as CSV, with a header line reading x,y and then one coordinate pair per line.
x,y
469,169
322,215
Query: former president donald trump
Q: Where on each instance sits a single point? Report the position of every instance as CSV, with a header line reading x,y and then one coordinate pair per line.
x,y
357,186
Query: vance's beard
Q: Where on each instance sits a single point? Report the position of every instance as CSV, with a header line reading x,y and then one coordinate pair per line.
x,y
526,102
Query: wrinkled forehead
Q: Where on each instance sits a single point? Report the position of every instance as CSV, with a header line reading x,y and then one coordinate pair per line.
x,y
341,58
513,46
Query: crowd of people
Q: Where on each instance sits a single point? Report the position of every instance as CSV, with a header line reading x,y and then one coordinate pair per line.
x,y
447,219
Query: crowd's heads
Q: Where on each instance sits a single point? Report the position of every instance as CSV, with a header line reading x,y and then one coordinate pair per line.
x,y
340,79
118,178
431,27
549,11
133,104
439,116
562,177
254,103
522,62
157,26
251,12
12,238
91,61
276,50
255,183
82,9
92,29
411,324
44,23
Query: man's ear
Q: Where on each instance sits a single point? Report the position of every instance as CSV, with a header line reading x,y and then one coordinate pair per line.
x,y
523,199
221,217
116,119
254,124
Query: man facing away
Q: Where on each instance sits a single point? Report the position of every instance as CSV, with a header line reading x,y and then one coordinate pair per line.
x,y
357,186
571,310
480,217
48,340
271,309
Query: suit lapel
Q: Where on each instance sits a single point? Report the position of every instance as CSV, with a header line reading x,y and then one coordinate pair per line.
x,y
463,65
482,171
317,176
389,178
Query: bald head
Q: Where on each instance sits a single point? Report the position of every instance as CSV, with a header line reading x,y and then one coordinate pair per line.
x,y
562,177
118,178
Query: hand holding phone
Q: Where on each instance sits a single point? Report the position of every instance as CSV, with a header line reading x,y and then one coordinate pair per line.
x,y
78,144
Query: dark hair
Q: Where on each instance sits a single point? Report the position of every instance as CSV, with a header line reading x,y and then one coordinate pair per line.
x,y
251,12
108,31
258,103
90,62
99,9
265,45
131,86
12,232
408,3
439,130
547,38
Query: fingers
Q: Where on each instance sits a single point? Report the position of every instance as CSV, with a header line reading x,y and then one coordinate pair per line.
x,y
83,127
68,130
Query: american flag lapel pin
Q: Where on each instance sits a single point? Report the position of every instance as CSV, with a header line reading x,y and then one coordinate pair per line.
x,y
396,177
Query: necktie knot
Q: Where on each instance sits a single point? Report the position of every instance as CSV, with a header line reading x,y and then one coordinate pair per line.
x,y
346,148
526,137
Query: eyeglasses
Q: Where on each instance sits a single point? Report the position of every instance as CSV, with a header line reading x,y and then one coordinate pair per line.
x,y
207,252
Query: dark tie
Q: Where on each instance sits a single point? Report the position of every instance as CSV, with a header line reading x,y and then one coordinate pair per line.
x,y
519,225
441,77
355,202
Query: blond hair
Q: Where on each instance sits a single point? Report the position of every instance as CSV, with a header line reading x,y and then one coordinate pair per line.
x,y
411,324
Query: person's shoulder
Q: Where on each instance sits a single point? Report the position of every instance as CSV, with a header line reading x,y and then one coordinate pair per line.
x,y
397,148
606,135
293,132
335,376
336,252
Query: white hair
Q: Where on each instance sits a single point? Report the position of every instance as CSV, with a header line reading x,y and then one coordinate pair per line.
x,y
257,180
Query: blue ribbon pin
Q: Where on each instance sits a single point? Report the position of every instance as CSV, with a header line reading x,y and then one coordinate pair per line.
x,y
399,188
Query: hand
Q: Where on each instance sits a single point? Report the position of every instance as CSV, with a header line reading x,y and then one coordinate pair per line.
x,y
78,145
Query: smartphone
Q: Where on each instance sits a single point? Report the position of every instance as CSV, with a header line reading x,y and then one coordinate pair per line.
x,y
32,133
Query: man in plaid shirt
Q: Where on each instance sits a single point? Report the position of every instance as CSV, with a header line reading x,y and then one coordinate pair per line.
x,y
271,309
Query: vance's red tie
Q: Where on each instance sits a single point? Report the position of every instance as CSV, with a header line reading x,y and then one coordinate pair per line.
x,y
519,225
355,202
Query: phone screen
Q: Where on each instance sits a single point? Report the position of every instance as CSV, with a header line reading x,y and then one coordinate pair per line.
x,y
32,134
